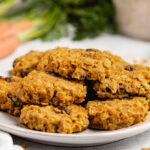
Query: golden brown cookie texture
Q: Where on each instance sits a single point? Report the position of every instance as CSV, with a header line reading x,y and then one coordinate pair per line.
x,y
8,101
132,80
25,64
44,89
62,119
116,114
90,64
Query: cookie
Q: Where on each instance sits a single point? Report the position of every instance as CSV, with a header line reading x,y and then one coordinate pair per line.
x,y
116,114
8,101
132,80
61,119
89,64
25,64
44,89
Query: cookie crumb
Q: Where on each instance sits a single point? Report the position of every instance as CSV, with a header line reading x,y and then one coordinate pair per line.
x,y
25,145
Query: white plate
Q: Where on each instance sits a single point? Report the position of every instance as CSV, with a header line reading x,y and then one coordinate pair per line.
x,y
88,137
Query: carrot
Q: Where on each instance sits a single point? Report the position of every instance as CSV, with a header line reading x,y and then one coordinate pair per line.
x,y
7,29
4,26
8,45
8,36
22,26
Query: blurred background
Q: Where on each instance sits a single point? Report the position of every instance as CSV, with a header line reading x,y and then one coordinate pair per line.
x,y
120,26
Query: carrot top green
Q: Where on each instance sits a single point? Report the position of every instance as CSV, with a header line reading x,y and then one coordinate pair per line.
x,y
50,19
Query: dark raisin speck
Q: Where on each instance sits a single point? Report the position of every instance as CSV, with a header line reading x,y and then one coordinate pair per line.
x,y
82,77
10,79
108,90
87,56
25,72
130,68
65,109
91,50
122,90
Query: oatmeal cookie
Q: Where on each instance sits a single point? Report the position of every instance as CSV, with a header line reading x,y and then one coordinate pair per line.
x,y
89,64
116,114
61,119
8,101
24,64
44,89
132,80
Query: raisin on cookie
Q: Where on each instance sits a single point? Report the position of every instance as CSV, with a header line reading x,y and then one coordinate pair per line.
x,y
24,64
89,64
8,101
64,119
132,80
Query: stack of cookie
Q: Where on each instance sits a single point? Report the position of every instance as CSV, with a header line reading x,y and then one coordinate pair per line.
x,y
47,89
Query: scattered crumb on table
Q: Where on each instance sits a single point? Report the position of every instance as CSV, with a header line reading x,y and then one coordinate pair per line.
x,y
24,145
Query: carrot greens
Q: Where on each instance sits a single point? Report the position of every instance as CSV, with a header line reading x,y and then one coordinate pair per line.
x,y
50,19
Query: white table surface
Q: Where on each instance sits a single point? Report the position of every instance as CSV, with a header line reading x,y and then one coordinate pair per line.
x,y
117,44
